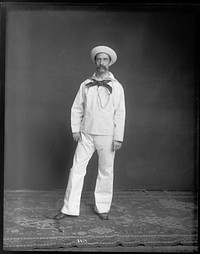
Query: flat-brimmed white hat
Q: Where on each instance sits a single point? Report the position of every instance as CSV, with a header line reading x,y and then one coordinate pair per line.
x,y
103,49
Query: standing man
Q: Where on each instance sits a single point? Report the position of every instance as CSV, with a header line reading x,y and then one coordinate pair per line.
x,y
97,123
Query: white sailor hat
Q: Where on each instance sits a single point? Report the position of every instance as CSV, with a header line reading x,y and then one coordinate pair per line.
x,y
103,49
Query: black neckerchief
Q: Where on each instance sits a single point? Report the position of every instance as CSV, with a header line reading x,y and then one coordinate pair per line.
x,y
103,83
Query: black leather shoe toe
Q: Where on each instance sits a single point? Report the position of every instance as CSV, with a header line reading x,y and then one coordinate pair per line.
x,y
103,216
61,216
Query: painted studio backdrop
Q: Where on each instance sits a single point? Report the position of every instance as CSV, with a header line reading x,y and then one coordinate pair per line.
x,y
47,58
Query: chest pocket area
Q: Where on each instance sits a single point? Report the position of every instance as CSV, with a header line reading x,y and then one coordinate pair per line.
x,y
99,98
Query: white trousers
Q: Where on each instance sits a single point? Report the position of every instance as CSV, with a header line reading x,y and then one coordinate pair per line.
x,y
104,183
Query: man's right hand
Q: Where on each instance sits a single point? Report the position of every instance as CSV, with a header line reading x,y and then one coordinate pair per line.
x,y
77,136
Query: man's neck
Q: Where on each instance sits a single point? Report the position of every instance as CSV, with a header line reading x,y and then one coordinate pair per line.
x,y
101,76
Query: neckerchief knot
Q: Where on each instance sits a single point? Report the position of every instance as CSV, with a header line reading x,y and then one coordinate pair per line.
x,y
103,83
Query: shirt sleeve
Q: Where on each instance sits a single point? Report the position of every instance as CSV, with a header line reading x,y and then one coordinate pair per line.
x,y
120,113
77,110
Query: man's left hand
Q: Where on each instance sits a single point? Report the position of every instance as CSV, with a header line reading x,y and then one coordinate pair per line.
x,y
117,145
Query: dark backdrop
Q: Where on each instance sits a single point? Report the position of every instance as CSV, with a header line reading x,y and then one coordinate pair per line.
x,y
47,57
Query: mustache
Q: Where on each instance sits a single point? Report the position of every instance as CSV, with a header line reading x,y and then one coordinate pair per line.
x,y
101,66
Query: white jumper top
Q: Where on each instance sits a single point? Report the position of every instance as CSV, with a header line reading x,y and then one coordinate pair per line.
x,y
96,111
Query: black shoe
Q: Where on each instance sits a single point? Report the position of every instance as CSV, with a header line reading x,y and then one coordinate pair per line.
x,y
103,216
61,216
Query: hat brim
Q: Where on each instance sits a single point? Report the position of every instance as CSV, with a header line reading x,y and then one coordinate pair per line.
x,y
103,49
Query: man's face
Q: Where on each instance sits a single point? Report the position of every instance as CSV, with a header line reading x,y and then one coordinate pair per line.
x,y
102,61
